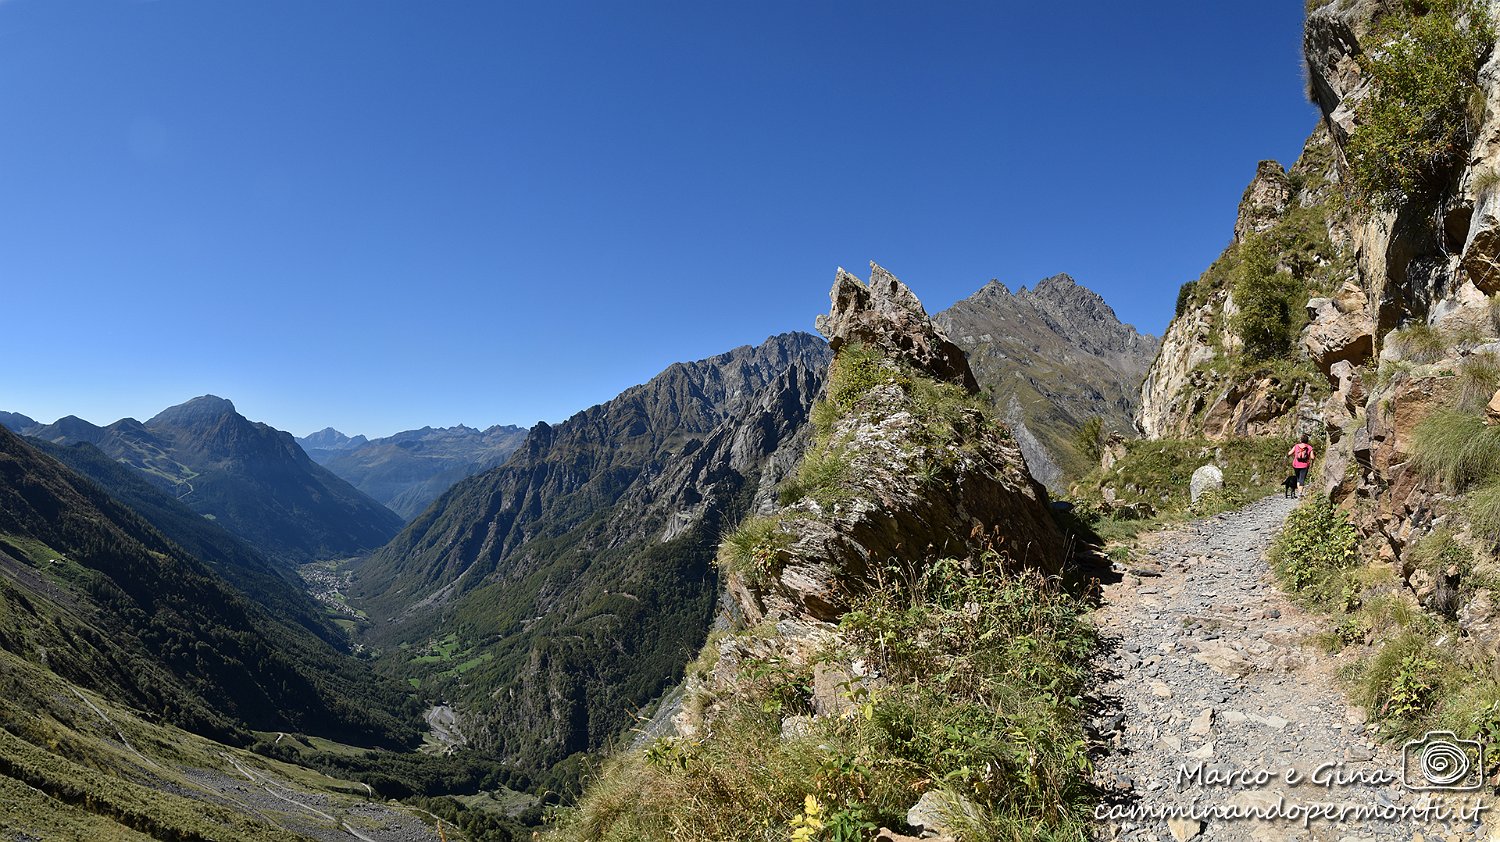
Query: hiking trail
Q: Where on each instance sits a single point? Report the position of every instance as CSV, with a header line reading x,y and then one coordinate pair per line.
x,y
1213,695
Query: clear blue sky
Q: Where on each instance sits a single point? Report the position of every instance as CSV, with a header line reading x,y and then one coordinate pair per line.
x,y
378,215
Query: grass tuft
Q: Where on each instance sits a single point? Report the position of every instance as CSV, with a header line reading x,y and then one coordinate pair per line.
x,y
1455,448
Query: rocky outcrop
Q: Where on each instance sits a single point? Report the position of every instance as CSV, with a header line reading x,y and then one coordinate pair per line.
x,y
1173,390
1339,329
886,316
904,497
1265,200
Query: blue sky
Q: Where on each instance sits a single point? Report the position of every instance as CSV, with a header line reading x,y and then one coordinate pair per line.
x,y
378,215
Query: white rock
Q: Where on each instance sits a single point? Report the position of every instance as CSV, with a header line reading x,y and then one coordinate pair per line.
x,y
1184,829
1206,478
1202,724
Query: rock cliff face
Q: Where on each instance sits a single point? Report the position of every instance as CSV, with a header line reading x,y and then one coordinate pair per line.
x,y
1400,320
906,466
1049,358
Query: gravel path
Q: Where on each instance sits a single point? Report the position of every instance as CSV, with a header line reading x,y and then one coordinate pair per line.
x,y
1216,704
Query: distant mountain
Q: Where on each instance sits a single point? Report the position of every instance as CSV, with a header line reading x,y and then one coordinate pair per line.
x,y
408,470
97,595
328,441
254,480
553,595
271,585
1050,358
16,422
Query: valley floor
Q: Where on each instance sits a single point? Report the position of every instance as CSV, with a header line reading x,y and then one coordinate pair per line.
x,y
1218,703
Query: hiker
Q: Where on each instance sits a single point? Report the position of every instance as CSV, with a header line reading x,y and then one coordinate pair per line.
x,y
1302,459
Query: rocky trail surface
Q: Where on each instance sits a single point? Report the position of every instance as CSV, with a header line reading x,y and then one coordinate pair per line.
x,y
1224,720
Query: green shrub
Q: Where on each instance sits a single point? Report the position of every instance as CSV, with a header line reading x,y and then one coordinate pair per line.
x,y
754,549
1185,297
988,707
823,475
1270,302
1455,448
1483,510
856,370
1420,119
1089,439
1404,680
1313,551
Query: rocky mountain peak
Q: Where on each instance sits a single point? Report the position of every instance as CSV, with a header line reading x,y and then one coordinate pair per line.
x,y
70,429
886,316
199,410
330,439
16,422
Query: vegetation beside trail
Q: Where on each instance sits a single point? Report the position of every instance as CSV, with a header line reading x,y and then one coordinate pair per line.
x,y
983,671
1412,667
973,683
1150,483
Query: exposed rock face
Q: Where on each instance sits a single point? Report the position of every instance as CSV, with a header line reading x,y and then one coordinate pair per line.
x,y
1050,358
976,491
580,573
886,316
1172,391
1339,330
1265,200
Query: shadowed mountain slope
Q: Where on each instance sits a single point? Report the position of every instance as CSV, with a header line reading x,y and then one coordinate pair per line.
x,y
96,594
271,585
551,596
253,480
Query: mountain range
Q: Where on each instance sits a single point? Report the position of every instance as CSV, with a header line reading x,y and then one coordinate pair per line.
x,y
104,599
407,471
253,480
1050,358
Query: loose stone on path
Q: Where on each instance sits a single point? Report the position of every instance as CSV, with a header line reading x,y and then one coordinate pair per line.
x,y
1208,679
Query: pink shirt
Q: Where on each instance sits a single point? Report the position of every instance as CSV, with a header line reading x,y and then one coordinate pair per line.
x,y
1302,455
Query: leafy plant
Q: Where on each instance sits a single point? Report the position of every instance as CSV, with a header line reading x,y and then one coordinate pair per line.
x,y
1089,437
1418,122
1314,548
1270,302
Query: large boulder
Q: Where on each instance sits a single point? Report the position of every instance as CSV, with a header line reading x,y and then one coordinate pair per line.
x,y
1205,479
1339,329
